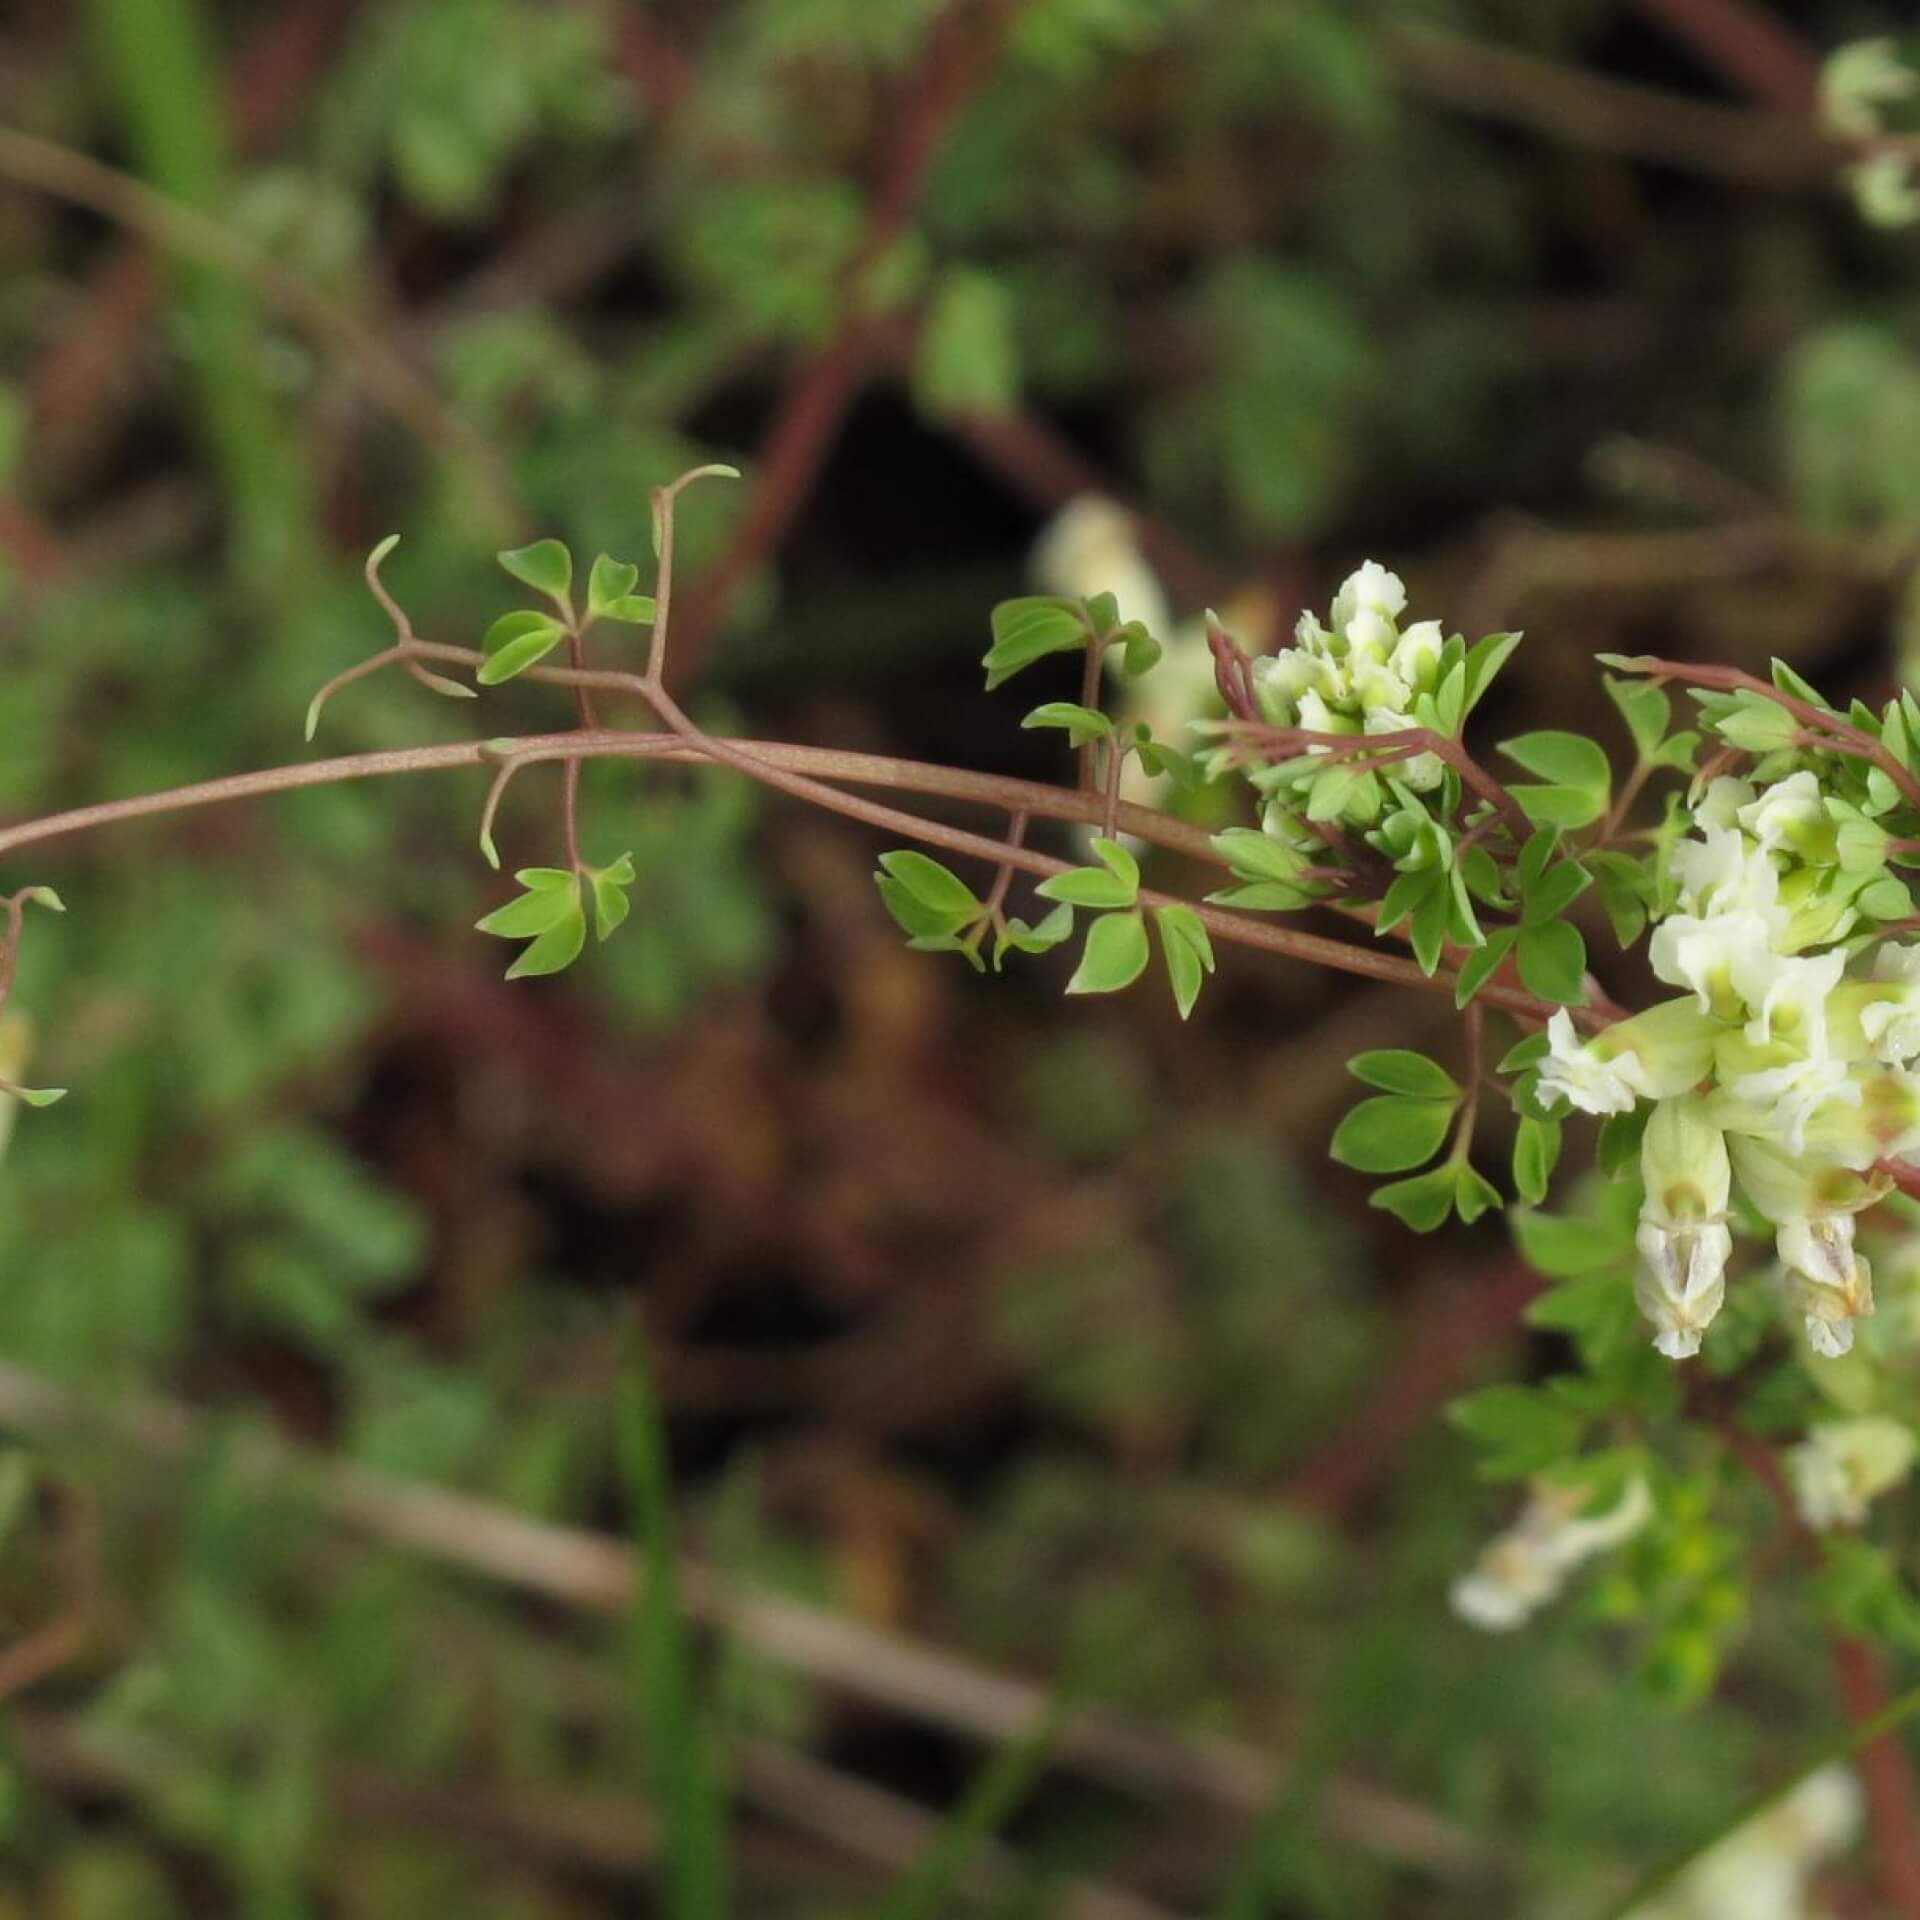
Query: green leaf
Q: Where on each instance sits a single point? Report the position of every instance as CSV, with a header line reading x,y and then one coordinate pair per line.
x,y
1188,950
1139,650
1562,759
1485,659
1482,963
930,883
1559,1246
515,642
1559,887
1115,955
1678,752
1115,883
636,609
1595,1309
1536,1149
1474,1195
1081,723
1423,1202
1520,1430
1265,896
557,948
1016,936
1391,1133
1624,885
1646,710
609,887
37,1096
968,357
609,581
532,914
1029,629
1398,1071
1258,856
45,897
914,917
1553,962
546,566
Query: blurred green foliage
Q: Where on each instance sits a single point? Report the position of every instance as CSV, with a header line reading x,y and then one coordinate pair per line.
x,y
322,1179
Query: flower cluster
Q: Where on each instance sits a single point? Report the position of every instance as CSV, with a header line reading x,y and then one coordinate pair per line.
x,y
1358,675
1780,1068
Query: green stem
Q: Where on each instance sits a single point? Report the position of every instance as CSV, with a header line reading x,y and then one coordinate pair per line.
x,y
1840,1747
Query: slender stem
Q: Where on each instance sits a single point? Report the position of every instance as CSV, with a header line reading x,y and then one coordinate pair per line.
x,y
1842,736
1116,763
1003,880
769,763
1090,697
1623,803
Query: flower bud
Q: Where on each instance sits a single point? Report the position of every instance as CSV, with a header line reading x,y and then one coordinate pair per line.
x,y
1416,659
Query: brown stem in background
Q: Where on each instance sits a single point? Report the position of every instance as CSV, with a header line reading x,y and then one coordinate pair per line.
x,y
81,369
962,51
1886,1768
1749,46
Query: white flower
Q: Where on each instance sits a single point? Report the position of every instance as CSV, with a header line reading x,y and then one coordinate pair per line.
x,y
1701,953
1370,636
1788,997
1892,1025
1843,1464
1369,588
1090,546
1521,1569
1786,813
1760,1870
1589,1079
1826,1279
1785,1101
1374,685
1682,1281
1318,717
1720,805
1417,656
1724,871
1280,680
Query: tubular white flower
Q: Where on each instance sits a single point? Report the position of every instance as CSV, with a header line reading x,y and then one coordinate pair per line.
x,y
1788,815
1681,1282
1786,1101
1592,1080
1701,953
1091,546
1520,1570
1827,1280
1724,871
1892,1025
1844,1464
1720,805
1788,997
1683,1239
